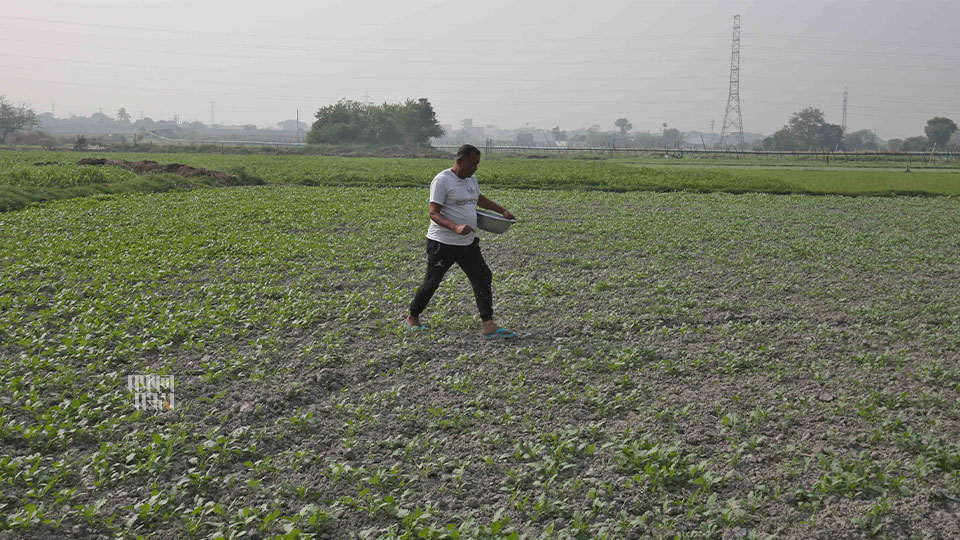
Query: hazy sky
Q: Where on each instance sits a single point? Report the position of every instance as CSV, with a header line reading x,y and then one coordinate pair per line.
x,y
508,63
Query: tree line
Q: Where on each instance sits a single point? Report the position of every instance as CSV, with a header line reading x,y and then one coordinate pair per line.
x,y
594,136
807,130
414,122
345,122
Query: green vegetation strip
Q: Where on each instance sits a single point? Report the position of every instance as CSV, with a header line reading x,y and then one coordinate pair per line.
x,y
690,366
21,181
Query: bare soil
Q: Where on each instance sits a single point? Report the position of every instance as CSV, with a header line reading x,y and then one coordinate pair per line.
x,y
148,166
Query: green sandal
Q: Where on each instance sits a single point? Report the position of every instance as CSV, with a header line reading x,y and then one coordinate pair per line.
x,y
411,328
500,333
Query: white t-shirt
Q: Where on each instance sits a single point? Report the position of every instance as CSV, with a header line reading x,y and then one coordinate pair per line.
x,y
458,200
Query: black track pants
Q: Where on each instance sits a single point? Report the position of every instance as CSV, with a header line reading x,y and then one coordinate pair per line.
x,y
440,257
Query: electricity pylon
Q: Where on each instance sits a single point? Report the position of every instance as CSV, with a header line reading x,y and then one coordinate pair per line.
x,y
733,119
843,124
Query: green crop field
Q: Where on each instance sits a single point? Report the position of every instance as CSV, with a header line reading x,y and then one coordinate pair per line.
x,y
23,182
690,365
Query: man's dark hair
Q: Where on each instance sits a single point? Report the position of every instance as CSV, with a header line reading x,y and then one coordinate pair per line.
x,y
467,150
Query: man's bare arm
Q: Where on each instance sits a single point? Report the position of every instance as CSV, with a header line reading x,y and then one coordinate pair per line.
x,y
484,202
443,221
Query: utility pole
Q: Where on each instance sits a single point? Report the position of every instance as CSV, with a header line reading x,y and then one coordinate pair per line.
x,y
843,124
298,126
733,119
713,141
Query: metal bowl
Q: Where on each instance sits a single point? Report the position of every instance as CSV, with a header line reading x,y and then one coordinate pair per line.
x,y
492,222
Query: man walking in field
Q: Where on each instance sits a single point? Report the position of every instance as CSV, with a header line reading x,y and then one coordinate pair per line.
x,y
454,196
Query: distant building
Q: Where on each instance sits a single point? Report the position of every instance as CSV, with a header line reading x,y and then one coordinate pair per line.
x,y
467,124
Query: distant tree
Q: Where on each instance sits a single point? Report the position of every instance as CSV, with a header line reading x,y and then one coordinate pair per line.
x,y
14,118
894,145
171,126
644,140
624,125
291,125
419,122
195,126
347,121
34,138
384,124
100,119
671,137
830,137
558,135
123,116
781,140
46,121
805,128
338,123
861,140
144,124
597,138
80,143
939,130
915,144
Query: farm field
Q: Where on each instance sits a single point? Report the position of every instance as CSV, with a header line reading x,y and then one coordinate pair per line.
x,y
847,180
835,162
691,365
21,181
946,167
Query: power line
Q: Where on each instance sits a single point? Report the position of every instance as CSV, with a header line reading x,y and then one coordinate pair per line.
x,y
846,40
336,47
833,51
519,79
354,24
336,53
516,58
681,105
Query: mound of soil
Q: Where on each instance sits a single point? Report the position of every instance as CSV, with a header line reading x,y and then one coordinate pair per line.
x,y
147,166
